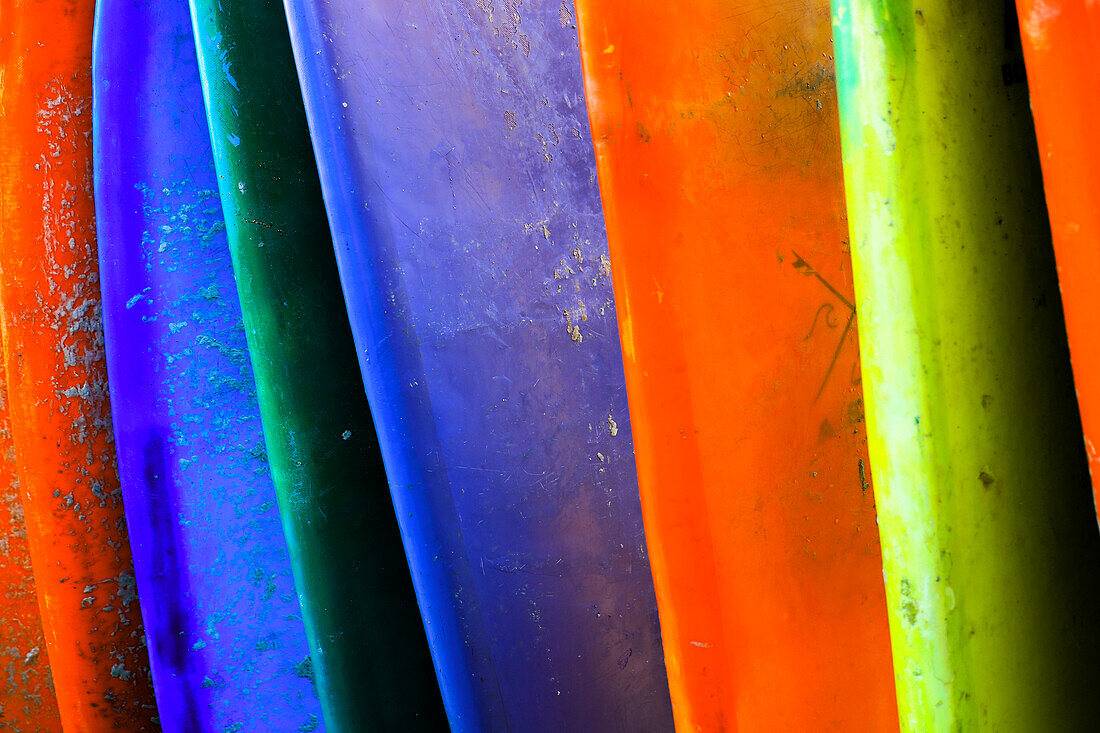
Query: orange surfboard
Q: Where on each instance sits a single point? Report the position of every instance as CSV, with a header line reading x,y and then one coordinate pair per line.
x,y
56,376
719,159
1061,40
27,701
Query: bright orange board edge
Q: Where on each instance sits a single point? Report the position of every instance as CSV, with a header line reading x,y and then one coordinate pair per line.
x,y
719,160
56,375
1061,40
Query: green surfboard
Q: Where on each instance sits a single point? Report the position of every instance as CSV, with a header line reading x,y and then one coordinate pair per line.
x,y
989,542
369,654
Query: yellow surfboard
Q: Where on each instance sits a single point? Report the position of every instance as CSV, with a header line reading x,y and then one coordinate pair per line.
x,y
989,541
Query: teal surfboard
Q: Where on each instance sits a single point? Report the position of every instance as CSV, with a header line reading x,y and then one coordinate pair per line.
x,y
369,653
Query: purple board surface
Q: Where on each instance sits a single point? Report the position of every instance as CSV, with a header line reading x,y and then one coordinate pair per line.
x,y
458,174
226,640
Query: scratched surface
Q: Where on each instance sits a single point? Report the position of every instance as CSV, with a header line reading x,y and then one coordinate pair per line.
x,y
719,157
56,374
460,183
27,701
226,639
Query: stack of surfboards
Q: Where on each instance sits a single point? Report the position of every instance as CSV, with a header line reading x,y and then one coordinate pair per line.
x,y
547,366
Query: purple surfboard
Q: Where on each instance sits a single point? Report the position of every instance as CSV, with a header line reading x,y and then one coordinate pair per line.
x,y
457,169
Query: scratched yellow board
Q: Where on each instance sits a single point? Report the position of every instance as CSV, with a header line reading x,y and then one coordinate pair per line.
x,y
989,540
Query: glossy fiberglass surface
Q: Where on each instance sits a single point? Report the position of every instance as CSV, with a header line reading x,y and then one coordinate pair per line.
x,y
720,166
458,174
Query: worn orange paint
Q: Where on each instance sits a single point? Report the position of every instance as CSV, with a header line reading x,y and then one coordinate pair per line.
x,y
1061,41
54,363
27,702
718,150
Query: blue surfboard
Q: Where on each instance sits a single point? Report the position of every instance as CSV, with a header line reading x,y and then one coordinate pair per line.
x,y
457,169
226,639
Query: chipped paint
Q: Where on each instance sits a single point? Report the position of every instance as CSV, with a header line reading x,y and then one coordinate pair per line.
x,y
53,356
368,656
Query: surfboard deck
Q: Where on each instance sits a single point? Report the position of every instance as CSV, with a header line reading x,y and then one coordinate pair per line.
x,y
720,168
56,376
1060,42
988,535
226,639
369,651
461,191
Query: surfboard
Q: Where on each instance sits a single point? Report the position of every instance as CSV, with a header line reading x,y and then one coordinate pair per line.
x,y
226,640
56,377
27,700
989,539
459,177
1060,41
719,161
369,652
